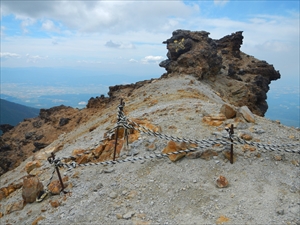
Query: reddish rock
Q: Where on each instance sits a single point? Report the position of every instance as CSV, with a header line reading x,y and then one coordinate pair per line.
x,y
31,187
248,148
173,147
246,137
35,222
228,111
55,203
55,187
222,182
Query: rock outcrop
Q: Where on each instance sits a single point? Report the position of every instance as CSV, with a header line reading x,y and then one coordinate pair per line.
x,y
240,79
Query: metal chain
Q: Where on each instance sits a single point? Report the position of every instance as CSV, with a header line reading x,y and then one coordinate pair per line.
x,y
132,159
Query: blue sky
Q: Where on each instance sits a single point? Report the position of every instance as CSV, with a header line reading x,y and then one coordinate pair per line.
x,y
121,41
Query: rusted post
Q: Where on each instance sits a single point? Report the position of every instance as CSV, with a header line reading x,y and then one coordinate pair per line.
x,y
58,173
231,146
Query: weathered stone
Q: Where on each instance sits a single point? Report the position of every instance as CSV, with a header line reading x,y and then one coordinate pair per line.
x,y
222,219
35,222
247,114
222,182
31,187
128,215
246,137
55,187
248,148
113,195
32,165
228,111
173,147
17,206
55,203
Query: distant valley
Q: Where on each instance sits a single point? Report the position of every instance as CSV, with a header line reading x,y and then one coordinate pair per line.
x,y
13,113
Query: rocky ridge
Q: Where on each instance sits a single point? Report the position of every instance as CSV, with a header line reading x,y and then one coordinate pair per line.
x,y
260,187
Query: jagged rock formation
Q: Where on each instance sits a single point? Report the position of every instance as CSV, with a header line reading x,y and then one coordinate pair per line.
x,y
238,78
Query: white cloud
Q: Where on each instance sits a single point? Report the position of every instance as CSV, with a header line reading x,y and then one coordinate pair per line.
x,y
34,58
220,2
152,59
7,55
111,44
82,103
102,16
48,25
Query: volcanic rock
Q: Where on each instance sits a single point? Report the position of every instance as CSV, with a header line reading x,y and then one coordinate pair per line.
x,y
240,79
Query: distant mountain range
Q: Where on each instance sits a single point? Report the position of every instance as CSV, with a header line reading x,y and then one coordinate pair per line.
x,y
13,113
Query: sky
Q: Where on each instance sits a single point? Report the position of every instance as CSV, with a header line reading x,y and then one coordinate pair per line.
x,y
55,47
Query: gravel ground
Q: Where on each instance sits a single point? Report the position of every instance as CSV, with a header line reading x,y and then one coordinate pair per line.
x,y
261,190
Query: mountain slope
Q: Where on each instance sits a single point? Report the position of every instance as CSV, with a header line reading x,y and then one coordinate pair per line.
x,y
263,185
13,113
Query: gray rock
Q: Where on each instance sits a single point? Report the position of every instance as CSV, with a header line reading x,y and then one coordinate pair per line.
x,y
113,195
128,215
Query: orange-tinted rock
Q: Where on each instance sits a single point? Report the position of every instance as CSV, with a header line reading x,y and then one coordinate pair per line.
x,y
227,155
82,159
17,206
222,182
214,120
246,137
248,148
98,151
6,191
55,187
31,187
35,222
228,111
32,165
1,214
222,219
108,152
78,152
173,147
208,154
55,203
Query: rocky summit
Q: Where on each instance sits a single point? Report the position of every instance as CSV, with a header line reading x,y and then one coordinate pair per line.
x,y
190,147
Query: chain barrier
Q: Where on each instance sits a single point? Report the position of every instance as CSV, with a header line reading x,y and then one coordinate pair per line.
x,y
127,124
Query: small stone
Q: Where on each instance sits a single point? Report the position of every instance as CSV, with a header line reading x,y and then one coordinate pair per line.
x,y
128,215
278,157
246,137
55,203
119,216
222,182
55,187
35,222
280,211
109,170
113,195
194,181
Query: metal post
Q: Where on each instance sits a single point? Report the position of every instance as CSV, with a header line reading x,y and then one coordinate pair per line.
x,y
58,173
117,131
231,146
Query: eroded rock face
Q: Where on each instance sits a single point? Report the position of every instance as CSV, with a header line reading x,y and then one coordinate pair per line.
x,y
239,78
